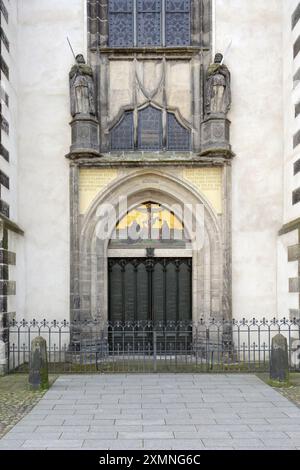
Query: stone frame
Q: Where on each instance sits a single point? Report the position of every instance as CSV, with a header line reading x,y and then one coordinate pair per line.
x,y
211,265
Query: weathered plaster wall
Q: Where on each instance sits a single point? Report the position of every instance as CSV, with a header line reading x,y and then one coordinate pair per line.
x,y
255,61
124,77
44,139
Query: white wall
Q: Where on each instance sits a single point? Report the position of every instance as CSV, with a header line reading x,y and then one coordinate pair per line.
x,y
255,61
44,138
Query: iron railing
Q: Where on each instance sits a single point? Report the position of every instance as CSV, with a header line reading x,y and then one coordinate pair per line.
x,y
203,346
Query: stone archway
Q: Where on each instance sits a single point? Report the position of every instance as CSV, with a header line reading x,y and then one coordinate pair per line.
x,y
164,188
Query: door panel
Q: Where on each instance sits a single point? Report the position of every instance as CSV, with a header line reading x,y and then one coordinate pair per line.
x,y
158,290
171,292
115,293
142,293
151,289
184,293
129,291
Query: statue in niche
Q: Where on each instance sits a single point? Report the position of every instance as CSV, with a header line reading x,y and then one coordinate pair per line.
x,y
218,89
82,88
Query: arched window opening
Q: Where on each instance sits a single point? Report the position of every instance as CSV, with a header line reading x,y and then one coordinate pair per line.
x,y
149,23
151,134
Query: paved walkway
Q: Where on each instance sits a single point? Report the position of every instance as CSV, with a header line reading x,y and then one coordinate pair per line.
x,y
163,411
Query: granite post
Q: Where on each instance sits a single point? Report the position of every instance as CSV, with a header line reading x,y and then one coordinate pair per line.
x,y
279,362
38,371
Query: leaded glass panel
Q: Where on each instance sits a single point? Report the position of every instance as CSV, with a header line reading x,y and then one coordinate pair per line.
x,y
179,138
122,134
121,31
150,129
148,17
149,22
178,22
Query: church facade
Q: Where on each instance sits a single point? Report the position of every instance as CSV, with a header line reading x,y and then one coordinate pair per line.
x,y
149,160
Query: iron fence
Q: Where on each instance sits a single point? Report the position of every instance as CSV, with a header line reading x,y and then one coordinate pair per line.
x,y
203,346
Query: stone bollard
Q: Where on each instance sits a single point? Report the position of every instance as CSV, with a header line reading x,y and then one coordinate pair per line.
x,y
3,358
279,363
38,372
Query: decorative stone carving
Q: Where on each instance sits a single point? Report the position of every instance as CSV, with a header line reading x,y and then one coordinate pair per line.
x,y
85,126
217,101
82,88
218,88
216,135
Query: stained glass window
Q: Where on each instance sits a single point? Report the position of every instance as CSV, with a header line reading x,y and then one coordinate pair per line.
x,y
179,138
120,15
177,22
149,224
122,134
149,23
150,129
150,132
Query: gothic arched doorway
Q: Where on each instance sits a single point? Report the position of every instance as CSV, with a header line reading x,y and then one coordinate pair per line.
x,y
150,277
156,286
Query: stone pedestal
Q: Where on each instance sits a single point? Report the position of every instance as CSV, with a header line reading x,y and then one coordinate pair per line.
x,y
85,134
215,132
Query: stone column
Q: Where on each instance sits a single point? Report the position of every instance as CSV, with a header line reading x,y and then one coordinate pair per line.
x,y
75,303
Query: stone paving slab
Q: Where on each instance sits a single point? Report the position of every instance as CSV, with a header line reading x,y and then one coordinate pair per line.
x,y
158,411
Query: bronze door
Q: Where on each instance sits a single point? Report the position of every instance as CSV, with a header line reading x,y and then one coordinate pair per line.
x,y
156,293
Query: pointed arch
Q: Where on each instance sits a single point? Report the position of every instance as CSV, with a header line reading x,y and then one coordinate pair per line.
x,y
168,190
150,117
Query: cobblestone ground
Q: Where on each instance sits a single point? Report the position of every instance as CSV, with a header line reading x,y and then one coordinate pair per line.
x,y
291,392
16,400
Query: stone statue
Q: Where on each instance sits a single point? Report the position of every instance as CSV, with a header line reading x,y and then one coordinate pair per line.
x,y
82,88
218,90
